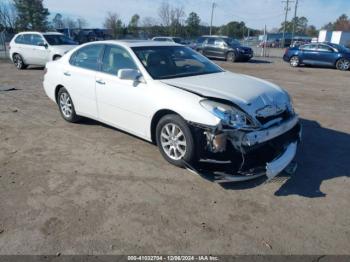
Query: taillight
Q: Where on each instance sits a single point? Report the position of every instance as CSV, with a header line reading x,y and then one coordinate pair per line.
x,y
285,51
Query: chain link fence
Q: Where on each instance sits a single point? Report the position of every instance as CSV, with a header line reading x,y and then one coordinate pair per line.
x,y
5,39
264,51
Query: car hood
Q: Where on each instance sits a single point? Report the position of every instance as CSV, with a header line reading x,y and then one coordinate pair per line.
x,y
247,92
62,49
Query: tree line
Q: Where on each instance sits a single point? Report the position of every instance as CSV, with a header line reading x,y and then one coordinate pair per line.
x,y
21,15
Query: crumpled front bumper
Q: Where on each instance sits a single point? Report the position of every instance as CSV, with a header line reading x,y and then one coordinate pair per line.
x,y
271,149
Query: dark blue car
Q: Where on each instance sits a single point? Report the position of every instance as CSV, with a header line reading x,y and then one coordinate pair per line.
x,y
319,54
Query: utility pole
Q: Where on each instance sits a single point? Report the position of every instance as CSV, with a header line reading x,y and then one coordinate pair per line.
x,y
285,22
295,17
212,14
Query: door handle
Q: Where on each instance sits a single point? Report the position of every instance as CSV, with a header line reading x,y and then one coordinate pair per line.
x,y
67,74
100,81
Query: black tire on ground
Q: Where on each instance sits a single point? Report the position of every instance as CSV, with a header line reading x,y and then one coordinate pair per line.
x,y
164,128
294,61
18,62
231,57
56,57
66,106
343,64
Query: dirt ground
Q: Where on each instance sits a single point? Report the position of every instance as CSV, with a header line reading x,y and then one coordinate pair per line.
x,y
90,189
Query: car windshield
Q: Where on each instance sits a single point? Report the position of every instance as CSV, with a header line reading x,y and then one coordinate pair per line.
x,y
178,40
164,62
59,40
231,42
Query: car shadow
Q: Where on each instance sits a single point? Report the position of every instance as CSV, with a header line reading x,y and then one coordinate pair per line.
x,y
322,155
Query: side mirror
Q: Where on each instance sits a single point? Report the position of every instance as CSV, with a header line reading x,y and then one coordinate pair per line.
x,y
43,44
129,74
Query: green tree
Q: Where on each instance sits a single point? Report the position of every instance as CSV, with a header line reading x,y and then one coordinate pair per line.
x,y
234,29
114,24
342,23
193,24
57,21
312,31
301,24
133,24
31,15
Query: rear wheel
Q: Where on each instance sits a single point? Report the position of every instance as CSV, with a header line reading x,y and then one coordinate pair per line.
x,y
294,61
18,61
66,106
231,57
175,140
343,64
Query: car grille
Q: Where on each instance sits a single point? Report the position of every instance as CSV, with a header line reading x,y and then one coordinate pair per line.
x,y
284,115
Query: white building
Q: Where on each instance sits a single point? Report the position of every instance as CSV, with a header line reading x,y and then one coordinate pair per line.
x,y
336,37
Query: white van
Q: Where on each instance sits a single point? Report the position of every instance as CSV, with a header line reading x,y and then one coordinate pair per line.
x,y
35,48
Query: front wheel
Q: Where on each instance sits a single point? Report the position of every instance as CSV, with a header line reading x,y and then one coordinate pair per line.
x,y
343,64
294,61
66,106
231,57
175,140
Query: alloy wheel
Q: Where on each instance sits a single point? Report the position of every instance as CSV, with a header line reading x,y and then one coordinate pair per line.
x,y
66,105
344,64
294,61
17,60
173,141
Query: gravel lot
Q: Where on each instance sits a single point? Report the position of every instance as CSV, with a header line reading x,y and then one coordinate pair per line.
x,y
90,189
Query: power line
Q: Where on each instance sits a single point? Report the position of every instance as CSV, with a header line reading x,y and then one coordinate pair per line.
x,y
212,14
295,17
285,21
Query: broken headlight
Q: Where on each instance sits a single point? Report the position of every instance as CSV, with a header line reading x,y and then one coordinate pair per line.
x,y
229,115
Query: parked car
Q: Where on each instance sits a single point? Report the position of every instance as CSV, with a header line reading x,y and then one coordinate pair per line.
x,y
172,96
223,47
319,54
34,48
171,39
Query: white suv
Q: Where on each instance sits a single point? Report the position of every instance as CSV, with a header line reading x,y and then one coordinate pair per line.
x,y
34,48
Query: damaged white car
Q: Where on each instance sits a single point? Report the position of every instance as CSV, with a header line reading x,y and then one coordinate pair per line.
x,y
178,99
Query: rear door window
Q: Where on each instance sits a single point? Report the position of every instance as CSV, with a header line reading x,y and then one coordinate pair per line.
x,y
324,48
87,57
36,40
311,47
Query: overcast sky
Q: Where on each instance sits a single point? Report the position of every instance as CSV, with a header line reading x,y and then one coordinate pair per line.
x,y
255,13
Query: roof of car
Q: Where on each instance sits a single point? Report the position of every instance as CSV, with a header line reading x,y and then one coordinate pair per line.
x,y
138,43
43,33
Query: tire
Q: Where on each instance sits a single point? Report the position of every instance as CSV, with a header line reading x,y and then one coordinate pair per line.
x,y
56,57
294,61
18,62
231,57
66,106
343,64
176,148
200,51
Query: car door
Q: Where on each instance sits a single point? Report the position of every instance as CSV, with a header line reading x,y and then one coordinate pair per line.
x,y
208,47
327,55
219,49
25,48
309,54
121,103
79,78
40,52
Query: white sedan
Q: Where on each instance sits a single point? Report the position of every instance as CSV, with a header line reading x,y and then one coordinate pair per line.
x,y
178,99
